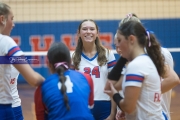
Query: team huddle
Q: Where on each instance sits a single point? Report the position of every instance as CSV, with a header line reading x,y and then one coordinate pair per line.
x,y
91,84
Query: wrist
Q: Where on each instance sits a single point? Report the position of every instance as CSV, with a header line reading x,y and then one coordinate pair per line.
x,y
117,98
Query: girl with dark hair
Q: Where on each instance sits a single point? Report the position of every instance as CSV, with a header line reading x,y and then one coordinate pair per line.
x,y
93,58
167,83
141,84
66,94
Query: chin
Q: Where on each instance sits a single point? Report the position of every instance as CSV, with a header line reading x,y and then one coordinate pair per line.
x,y
124,56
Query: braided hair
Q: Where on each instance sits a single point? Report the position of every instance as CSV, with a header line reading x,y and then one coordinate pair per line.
x,y
59,52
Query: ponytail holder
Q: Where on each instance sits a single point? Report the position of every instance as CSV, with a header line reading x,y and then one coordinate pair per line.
x,y
61,63
129,15
148,38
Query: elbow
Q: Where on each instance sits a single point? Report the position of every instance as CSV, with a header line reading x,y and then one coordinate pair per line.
x,y
36,80
35,83
177,80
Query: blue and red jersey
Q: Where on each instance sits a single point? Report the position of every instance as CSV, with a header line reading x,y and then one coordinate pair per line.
x,y
49,101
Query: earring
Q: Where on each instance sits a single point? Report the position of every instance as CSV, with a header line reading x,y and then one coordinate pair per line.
x,y
3,22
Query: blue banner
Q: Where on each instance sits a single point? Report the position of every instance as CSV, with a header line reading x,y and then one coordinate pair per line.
x,y
19,60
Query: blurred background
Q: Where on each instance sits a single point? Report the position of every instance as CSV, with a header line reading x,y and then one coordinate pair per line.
x,y
39,23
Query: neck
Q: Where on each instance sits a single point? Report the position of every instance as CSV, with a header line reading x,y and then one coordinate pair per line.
x,y
89,47
89,50
137,52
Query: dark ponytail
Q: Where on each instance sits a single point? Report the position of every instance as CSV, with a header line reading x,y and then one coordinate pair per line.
x,y
154,51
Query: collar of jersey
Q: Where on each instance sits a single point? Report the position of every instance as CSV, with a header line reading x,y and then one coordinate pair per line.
x,y
90,59
55,74
142,55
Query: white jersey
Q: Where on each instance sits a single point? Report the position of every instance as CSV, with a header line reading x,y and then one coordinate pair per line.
x,y
8,74
98,73
141,72
15,95
166,97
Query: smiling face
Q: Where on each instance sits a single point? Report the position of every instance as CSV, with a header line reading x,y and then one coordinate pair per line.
x,y
88,31
9,24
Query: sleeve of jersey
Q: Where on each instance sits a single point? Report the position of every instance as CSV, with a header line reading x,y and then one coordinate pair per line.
x,y
39,106
11,48
111,60
134,76
91,96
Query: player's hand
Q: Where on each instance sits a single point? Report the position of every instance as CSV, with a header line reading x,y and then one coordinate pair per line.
x,y
112,90
120,115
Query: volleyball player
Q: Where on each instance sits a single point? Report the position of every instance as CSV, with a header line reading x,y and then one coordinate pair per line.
x,y
8,75
66,94
93,58
14,73
168,83
141,84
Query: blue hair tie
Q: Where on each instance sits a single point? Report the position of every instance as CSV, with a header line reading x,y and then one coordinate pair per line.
x,y
150,31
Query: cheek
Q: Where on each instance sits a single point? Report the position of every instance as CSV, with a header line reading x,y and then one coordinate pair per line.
x,y
9,24
81,34
95,33
122,46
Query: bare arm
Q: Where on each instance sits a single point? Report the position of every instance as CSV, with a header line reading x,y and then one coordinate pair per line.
x,y
131,95
32,77
118,85
113,104
170,81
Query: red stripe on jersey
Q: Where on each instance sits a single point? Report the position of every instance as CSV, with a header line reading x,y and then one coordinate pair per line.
x,y
111,64
13,50
90,81
136,78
